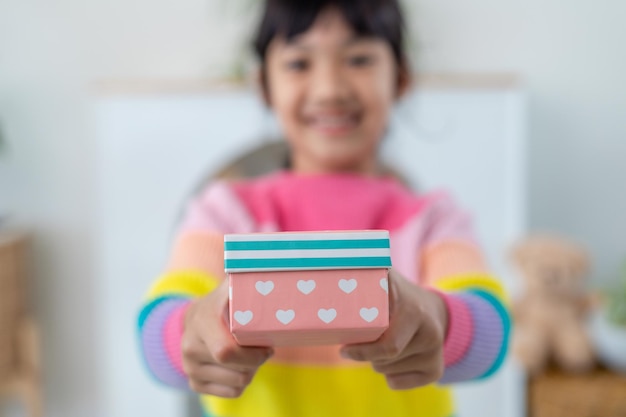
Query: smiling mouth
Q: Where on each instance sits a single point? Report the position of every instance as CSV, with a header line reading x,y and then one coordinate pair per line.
x,y
334,125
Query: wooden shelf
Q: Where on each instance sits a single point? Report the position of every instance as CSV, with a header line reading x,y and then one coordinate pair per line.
x,y
600,393
11,236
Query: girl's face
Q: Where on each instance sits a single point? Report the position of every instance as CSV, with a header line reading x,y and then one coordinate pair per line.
x,y
332,93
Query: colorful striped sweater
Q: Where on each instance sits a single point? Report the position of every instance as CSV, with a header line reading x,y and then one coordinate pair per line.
x,y
431,245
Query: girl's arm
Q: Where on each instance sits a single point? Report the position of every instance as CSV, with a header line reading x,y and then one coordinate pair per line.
x,y
478,327
453,326
195,268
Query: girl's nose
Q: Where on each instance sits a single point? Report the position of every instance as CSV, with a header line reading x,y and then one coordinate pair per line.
x,y
329,84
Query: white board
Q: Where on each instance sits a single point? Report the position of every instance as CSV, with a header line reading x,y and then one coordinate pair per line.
x,y
153,149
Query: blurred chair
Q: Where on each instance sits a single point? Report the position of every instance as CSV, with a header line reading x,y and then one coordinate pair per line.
x,y
19,344
269,156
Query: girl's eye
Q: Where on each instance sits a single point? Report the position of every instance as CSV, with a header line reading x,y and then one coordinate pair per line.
x,y
297,64
360,60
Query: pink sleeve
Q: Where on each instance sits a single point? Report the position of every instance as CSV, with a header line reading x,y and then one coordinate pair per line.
x,y
460,329
447,222
173,335
449,246
218,209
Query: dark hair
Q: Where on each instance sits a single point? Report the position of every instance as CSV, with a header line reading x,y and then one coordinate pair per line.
x,y
369,18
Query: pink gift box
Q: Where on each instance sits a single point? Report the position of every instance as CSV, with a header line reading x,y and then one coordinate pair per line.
x,y
312,288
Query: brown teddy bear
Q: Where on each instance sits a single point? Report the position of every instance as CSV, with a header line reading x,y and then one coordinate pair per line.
x,y
550,314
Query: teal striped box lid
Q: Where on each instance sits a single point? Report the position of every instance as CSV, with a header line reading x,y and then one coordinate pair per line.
x,y
292,251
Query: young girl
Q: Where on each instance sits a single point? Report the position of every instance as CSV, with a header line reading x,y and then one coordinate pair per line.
x,y
331,71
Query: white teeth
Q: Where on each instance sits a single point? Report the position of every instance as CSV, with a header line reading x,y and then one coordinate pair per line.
x,y
333,121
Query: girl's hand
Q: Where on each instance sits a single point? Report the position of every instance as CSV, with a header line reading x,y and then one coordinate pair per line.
x,y
410,351
214,363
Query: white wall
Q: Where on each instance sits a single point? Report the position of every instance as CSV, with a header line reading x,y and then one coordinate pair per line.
x,y
569,53
44,117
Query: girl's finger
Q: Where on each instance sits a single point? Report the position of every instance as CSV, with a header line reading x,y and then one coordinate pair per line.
x,y
405,322
195,351
409,380
430,362
206,374
230,354
215,389
392,345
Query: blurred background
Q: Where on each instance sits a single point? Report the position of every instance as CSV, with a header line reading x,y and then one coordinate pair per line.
x,y
59,60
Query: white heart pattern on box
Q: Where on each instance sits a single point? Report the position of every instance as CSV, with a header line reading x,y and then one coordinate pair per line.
x,y
347,285
264,288
306,287
285,316
384,284
369,314
243,317
327,315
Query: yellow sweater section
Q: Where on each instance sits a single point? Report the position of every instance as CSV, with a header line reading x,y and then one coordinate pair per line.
x,y
303,391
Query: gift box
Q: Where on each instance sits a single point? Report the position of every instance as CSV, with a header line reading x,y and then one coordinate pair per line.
x,y
310,288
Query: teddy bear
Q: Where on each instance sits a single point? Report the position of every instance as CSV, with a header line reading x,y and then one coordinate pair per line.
x,y
549,315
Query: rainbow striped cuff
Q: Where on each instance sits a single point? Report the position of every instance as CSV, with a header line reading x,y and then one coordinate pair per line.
x,y
483,297
160,322
152,322
489,342
173,336
460,329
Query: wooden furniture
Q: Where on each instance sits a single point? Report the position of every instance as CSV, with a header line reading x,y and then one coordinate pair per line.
x,y
600,393
19,353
